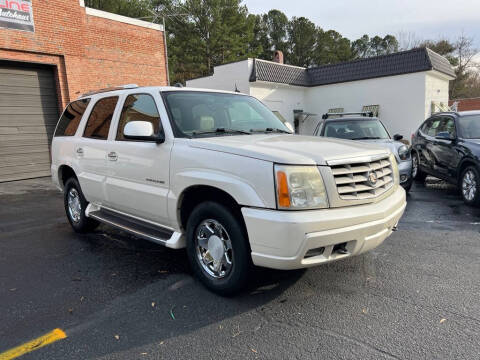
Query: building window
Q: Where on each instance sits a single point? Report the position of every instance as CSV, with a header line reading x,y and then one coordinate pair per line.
x,y
371,108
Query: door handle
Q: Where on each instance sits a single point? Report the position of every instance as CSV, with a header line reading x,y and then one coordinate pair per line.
x,y
112,156
79,151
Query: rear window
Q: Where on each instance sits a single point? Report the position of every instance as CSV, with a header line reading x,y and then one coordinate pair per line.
x,y
68,123
98,123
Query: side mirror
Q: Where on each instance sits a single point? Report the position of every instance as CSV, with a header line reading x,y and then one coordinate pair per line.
x,y
444,135
397,137
143,131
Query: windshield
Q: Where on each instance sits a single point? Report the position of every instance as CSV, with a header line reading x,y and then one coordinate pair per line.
x,y
197,113
356,129
470,126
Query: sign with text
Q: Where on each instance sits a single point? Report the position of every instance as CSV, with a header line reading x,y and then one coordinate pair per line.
x,y
16,14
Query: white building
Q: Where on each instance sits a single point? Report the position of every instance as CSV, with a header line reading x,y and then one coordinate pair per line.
x,y
403,88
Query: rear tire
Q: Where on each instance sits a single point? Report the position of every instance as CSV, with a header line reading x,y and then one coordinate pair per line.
x,y
75,206
217,248
417,174
470,186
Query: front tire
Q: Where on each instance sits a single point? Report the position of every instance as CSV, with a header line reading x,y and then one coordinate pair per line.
x,y
417,174
217,248
75,206
470,186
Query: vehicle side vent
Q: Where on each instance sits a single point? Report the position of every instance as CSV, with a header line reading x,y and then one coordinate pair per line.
x,y
366,180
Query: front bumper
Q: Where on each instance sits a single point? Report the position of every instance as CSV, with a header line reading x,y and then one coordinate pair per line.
x,y
282,239
405,171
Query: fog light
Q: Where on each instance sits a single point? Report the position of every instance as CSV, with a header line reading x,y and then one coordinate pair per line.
x,y
403,178
314,252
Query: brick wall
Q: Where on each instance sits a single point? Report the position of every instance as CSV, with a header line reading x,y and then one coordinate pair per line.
x,y
88,52
467,104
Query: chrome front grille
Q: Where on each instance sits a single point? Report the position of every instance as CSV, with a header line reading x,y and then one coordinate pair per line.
x,y
363,180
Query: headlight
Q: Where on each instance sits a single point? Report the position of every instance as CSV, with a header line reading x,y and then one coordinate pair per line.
x,y
403,152
396,176
299,187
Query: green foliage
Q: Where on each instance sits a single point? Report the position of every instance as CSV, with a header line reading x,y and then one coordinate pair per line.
x,y
301,41
130,8
331,48
367,47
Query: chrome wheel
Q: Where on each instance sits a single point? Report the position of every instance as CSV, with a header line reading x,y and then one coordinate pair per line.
x,y
214,248
74,205
469,185
414,166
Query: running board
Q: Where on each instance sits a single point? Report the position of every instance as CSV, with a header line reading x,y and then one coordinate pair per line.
x,y
142,229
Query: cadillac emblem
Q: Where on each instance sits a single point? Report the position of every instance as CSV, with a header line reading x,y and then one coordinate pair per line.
x,y
372,178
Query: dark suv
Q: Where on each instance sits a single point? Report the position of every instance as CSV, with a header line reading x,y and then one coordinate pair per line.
x,y
447,146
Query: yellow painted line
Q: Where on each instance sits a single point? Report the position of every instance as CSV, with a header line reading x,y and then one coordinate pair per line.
x,y
44,340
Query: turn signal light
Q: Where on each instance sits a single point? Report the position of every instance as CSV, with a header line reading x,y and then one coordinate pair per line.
x,y
282,188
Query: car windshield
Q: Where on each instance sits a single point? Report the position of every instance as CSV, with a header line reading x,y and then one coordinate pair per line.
x,y
470,126
356,129
197,113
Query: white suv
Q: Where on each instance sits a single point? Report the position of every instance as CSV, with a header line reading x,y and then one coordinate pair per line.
x,y
218,173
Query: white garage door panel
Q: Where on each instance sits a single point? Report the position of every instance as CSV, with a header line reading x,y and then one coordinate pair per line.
x,y
28,115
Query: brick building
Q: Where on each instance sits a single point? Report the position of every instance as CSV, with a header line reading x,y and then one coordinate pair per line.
x,y
50,53
466,104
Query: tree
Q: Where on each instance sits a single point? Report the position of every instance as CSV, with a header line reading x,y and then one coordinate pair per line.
x,y
130,8
212,33
331,48
276,23
367,47
301,41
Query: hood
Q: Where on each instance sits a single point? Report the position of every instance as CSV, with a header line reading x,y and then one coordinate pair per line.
x,y
389,144
288,149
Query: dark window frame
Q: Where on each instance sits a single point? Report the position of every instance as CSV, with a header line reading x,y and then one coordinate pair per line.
x,y
160,125
91,112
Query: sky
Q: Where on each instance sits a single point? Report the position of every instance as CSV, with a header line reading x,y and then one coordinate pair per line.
x,y
426,19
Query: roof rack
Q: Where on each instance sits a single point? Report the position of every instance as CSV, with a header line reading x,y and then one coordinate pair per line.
x,y
365,114
113,88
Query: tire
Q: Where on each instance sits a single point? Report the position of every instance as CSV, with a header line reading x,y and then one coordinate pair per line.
x,y
76,214
417,174
218,249
470,186
408,185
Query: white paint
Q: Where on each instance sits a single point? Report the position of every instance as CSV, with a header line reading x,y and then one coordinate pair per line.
x,y
225,77
123,19
82,3
405,100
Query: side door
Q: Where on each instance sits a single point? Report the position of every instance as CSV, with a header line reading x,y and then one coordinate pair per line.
x,y
138,171
446,155
427,153
91,149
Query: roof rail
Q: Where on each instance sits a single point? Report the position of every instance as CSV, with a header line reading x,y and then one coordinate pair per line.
x,y
113,88
364,113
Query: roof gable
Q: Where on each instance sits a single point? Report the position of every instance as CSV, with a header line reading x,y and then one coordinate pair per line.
x,y
405,62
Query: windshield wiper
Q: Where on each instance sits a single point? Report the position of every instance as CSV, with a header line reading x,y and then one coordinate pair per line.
x,y
268,130
220,130
367,138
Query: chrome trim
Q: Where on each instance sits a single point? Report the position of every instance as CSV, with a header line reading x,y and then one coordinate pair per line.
x,y
130,230
359,159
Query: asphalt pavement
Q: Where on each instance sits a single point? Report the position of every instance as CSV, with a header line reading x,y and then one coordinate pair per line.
x,y
118,297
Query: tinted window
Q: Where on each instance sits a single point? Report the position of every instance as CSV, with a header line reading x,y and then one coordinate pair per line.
x,y
68,123
196,112
100,118
447,125
432,127
138,107
470,126
356,129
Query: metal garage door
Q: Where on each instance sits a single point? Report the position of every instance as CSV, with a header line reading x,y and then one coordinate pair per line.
x,y
28,115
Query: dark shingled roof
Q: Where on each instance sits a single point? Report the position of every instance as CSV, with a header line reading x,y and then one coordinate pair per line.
x,y
404,62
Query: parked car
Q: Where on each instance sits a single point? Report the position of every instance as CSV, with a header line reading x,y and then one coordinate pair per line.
x,y
447,146
219,174
367,128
